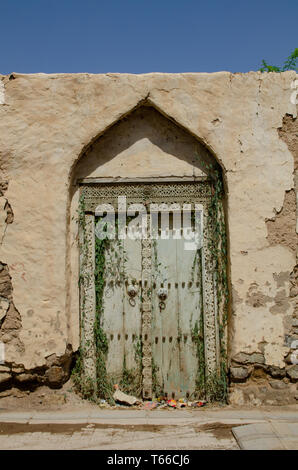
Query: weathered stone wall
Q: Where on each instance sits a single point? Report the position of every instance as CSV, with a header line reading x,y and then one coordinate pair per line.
x,y
256,378
50,129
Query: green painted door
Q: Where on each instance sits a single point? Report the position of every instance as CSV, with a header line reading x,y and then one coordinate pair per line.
x,y
176,313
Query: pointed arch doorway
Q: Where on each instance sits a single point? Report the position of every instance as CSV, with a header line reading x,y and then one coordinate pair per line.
x,y
149,316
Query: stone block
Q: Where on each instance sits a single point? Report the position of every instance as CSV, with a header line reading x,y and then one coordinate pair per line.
x,y
55,376
253,358
4,377
239,373
292,372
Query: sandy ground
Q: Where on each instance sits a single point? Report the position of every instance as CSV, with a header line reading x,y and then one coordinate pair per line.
x,y
93,436
97,436
43,398
61,419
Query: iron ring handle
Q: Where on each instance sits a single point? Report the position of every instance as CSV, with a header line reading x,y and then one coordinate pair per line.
x,y
162,293
132,291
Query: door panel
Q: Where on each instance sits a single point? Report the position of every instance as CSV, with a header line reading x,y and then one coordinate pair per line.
x,y
190,304
174,351
112,318
177,273
121,320
165,318
132,317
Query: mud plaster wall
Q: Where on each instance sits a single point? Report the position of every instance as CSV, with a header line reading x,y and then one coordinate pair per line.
x,y
46,124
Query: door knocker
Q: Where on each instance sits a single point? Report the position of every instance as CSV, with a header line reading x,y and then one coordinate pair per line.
x,y
132,292
162,294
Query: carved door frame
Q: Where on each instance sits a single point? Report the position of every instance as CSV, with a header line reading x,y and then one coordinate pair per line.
x,y
95,191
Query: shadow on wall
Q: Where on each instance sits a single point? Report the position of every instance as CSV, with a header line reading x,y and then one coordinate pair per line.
x,y
144,143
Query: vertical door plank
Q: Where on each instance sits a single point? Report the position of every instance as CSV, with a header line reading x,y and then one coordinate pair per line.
x,y
113,310
132,319
189,292
165,324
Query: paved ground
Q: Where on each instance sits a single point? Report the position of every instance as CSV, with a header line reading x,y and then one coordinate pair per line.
x,y
220,428
273,435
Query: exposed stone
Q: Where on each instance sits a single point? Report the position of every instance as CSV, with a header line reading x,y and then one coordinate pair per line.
x,y
270,402
6,393
5,282
17,370
4,377
245,358
14,392
55,376
124,398
255,401
289,134
277,384
266,394
12,320
277,372
22,378
63,361
292,372
282,228
236,397
239,373
290,340
4,368
259,372
4,304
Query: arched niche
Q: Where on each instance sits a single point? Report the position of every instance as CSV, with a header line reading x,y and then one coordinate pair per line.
x,y
143,145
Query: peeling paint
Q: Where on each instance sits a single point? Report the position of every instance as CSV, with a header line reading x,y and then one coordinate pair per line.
x,y
282,228
289,134
281,278
255,297
255,144
281,304
11,322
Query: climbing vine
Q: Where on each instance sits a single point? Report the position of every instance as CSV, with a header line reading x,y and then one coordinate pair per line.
x,y
84,384
216,382
157,388
197,333
104,386
112,267
132,380
110,258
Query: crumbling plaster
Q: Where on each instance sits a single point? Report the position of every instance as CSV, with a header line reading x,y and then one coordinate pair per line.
x,y
46,124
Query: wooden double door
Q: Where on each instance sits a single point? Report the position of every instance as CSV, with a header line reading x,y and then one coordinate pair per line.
x,y
172,292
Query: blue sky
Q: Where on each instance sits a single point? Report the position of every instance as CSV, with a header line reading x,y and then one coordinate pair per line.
x,y
140,36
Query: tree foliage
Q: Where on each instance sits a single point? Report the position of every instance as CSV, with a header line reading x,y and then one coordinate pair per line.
x,y
290,64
